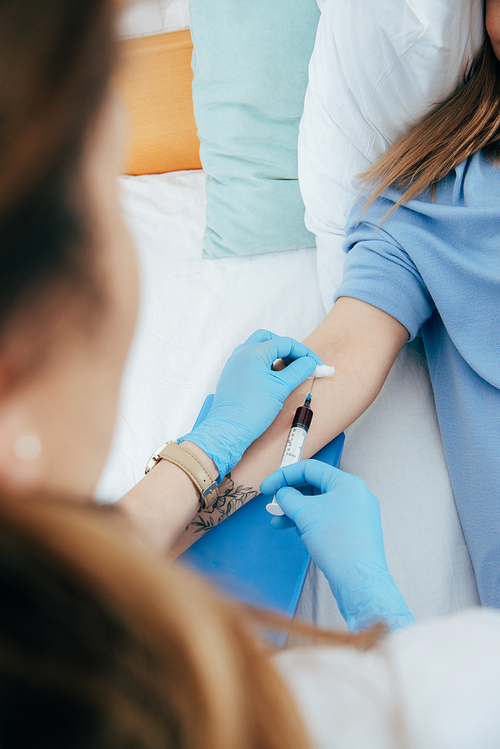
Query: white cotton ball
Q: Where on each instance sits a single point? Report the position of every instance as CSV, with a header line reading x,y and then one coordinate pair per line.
x,y
322,370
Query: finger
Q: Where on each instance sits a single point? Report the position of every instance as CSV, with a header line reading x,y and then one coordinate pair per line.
x,y
323,476
260,336
298,371
283,347
281,522
276,480
279,365
291,501
320,475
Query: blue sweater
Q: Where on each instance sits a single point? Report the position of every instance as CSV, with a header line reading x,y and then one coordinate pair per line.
x,y
435,266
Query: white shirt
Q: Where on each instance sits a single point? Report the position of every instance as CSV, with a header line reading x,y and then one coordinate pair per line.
x,y
433,685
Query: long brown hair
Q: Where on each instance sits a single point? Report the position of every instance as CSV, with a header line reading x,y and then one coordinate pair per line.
x,y
104,647
56,58
466,122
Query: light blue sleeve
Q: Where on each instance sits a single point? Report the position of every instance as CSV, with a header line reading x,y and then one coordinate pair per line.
x,y
379,271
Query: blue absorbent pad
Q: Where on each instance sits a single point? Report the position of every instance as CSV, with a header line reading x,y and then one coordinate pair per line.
x,y
249,560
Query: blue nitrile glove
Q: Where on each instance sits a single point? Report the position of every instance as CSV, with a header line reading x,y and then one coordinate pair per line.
x,y
342,531
249,396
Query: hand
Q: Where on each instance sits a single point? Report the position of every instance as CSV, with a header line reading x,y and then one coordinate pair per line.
x,y
342,530
250,394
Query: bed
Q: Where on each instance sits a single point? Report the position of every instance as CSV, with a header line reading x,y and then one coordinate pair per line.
x,y
195,310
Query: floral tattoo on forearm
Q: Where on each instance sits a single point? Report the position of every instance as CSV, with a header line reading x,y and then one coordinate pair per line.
x,y
229,498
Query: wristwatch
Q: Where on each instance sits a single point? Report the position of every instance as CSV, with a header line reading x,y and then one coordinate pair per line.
x,y
191,465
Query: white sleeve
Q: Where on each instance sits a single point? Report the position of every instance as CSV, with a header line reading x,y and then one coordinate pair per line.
x,y
432,686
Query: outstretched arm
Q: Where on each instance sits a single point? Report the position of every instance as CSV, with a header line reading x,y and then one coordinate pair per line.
x,y
165,501
362,343
342,530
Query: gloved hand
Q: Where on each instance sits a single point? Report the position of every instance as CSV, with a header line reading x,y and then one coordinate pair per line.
x,y
342,530
249,396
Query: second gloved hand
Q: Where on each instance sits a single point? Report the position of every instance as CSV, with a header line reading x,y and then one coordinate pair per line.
x,y
250,394
342,531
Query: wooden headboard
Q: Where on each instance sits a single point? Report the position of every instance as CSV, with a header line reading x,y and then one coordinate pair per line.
x,y
154,79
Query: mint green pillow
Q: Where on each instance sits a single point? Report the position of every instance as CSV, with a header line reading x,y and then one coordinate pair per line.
x,y
250,63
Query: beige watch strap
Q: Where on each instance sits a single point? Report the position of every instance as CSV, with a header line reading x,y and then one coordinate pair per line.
x,y
194,468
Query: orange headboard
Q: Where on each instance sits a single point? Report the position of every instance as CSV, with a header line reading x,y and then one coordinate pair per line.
x,y
154,79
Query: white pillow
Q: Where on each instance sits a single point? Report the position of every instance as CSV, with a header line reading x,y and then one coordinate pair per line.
x,y
147,17
377,66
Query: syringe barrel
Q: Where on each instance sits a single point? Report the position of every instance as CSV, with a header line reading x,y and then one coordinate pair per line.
x,y
303,417
294,445
293,448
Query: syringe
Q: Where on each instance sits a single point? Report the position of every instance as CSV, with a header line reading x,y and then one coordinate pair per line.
x,y
294,445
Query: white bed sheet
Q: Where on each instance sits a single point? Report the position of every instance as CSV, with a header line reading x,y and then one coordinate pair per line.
x,y
194,311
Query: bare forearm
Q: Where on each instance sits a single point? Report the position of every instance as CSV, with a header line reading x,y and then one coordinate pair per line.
x,y
361,342
164,502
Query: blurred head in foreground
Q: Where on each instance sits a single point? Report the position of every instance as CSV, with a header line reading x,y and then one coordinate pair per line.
x,y
100,645
68,281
